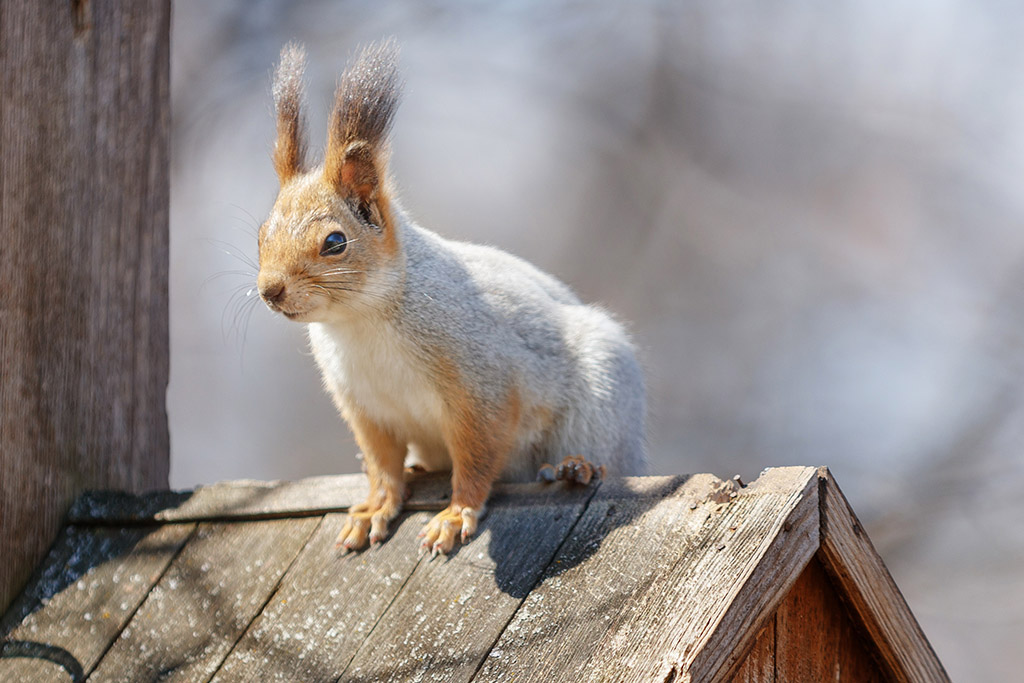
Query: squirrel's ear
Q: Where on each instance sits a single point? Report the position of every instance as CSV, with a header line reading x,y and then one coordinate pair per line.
x,y
290,145
364,106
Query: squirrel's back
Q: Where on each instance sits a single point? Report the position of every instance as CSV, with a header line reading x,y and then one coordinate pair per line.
x,y
502,321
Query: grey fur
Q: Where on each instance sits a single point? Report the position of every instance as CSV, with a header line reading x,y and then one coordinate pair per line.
x,y
290,146
506,323
367,97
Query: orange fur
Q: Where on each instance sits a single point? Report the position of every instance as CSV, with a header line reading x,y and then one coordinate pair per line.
x,y
478,441
384,457
292,257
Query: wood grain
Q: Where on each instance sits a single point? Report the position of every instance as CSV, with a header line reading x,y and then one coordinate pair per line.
x,y
631,528
84,124
759,664
256,500
789,537
207,598
326,606
856,567
451,611
92,582
657,585
815,639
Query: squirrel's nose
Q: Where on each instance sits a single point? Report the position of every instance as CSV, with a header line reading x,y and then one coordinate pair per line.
x,y
272,290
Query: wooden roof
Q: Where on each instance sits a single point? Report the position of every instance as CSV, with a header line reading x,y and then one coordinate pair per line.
x,y
652,578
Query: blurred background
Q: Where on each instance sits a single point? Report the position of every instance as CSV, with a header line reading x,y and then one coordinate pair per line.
x,y
809,213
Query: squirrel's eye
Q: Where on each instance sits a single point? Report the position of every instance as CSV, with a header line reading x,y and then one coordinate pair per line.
x,y
334,244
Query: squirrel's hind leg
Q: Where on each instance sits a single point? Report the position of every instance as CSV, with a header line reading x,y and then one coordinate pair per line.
x,y
384,456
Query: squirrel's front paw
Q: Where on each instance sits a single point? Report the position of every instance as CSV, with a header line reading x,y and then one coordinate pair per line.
x,y
455,521
366,521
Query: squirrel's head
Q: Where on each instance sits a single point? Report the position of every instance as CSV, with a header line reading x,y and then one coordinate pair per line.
x,y
330,244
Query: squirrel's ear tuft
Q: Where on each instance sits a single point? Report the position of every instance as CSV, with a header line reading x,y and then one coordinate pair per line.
x,y
364,107
290,145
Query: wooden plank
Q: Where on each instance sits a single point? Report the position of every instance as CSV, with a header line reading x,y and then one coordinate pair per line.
x,y
211,592
251,500
85,592
631,526
815,640
857,568
84,129
325,607
655,614
789,541
759,664
450,612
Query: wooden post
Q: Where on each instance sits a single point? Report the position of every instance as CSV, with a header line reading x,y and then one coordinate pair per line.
x,y
84,127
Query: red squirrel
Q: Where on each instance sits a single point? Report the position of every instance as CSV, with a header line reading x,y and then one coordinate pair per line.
x,y
439,354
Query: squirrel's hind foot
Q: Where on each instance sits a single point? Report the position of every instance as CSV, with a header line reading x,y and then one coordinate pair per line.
x,y
575,469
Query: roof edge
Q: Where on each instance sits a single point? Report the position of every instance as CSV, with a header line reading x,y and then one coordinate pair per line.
x,y
789,546
862,577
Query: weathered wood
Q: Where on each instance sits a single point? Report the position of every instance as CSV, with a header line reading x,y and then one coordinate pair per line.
x,y
786,541
815,640
759,664
630,528
84,124
325,607
856,567
209,595
654,578
451,611
672,591
92,582
250,500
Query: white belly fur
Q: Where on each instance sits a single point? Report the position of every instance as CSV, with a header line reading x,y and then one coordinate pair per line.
x,y
375,370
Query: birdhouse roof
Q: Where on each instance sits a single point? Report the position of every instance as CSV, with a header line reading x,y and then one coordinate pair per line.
x,y
645,578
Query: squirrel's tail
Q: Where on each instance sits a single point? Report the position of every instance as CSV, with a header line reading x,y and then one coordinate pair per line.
x,y
364,107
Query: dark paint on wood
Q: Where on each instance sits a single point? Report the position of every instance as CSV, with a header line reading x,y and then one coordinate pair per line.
x,y
91,584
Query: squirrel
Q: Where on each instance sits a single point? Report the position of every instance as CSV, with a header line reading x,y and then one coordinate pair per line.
x,y
440,354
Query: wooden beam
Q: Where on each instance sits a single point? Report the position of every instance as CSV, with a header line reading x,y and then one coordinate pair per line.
x,y
84,127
